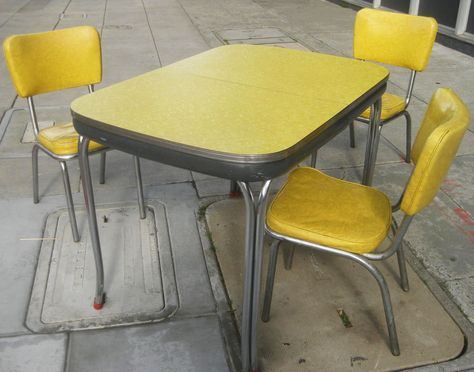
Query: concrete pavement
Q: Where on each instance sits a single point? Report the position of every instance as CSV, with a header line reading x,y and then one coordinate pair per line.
x,y
141,35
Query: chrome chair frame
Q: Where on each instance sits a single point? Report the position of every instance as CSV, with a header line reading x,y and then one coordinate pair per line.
x,y
396,246
65,174
405,113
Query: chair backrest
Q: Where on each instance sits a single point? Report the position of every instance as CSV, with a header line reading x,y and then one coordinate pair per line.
x,y
54,60
435,147
394,38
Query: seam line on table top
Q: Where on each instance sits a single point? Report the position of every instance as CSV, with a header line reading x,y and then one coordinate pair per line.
x,y
263,88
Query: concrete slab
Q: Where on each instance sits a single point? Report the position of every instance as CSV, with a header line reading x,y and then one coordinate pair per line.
x,y
442,239
33,353
29,134
266,41
174,33
305,332
314,16
140,282
21,230
120,172
462,293
193,345
297,46
126,37
259,33
146,34
458,185
16,178
212,187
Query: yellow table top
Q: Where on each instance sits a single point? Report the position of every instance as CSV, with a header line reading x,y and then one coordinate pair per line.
x,y
238,99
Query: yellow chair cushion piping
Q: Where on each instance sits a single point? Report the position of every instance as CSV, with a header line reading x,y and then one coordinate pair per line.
x,y
391,106
321,209
63,140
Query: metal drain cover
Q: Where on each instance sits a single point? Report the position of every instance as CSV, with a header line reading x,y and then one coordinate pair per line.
x,y
139,276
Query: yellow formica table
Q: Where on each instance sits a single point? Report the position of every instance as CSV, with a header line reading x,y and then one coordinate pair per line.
x,y
242,112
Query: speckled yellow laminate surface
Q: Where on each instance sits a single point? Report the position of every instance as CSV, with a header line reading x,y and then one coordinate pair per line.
x,y
239,99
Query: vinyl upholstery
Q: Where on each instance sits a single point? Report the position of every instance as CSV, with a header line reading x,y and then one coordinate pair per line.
x,y
63,140
441,132
391,106
394,38
54,60
318,208
397,39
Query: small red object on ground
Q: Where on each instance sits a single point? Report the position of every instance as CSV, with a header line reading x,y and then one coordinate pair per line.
x,y
98,306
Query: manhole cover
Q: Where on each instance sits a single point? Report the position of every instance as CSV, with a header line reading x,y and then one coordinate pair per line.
x,y
139,275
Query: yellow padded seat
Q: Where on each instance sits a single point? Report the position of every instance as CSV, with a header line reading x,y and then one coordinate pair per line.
x,y
63,140
391,106
318,208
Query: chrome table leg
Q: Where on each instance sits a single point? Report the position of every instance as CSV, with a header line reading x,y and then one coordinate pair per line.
x,y
234,191
255,232
99,298
141,199
103,157
314,158
267,302
373,137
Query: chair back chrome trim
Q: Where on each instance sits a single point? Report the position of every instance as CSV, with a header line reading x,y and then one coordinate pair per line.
x,y
411,84
34,119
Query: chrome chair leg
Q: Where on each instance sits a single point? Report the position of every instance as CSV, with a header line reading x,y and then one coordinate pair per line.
x,y
103,156
402,266
387,304
141,200
267,302
408,139
69,201
34,159
314,158
288,253
352,135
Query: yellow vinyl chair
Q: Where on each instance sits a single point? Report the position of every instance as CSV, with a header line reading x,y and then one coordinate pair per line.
x,y
52,61
395,39
350,220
